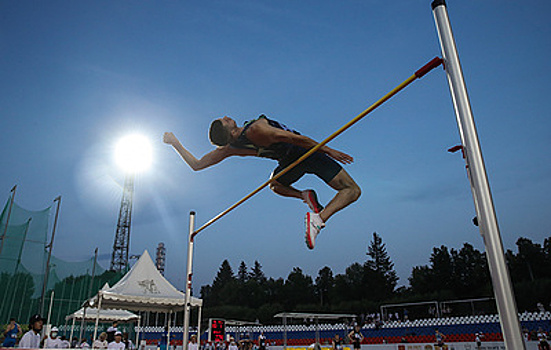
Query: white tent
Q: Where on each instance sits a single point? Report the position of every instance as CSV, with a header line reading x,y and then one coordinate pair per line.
x,y
143,288
90,314
104,315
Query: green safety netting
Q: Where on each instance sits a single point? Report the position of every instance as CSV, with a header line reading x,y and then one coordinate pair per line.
x,y
24,239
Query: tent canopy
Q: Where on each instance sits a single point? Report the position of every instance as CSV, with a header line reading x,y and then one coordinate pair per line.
x,y
104,315
143,288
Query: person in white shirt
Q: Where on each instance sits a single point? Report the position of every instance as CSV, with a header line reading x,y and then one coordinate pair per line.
x,y
31,339
478,339
129,345
65,343
84,344
233,345
101,343
193,345
52,341
117,344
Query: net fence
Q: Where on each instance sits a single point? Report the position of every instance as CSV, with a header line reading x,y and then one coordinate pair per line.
x,y
24,246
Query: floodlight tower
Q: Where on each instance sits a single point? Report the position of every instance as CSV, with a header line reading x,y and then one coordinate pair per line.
x,y
133,154
161,258
121,245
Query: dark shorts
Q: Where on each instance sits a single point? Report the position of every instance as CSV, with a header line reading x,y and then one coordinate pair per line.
x,y
319,164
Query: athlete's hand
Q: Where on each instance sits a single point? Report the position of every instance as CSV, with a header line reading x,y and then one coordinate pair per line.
x,y
339,156
169,138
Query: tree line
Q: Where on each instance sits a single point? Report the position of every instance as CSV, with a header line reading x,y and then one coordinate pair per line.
x,y
364,286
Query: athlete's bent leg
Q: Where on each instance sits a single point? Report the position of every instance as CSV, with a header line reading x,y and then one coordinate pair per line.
x,y
348,192
285,191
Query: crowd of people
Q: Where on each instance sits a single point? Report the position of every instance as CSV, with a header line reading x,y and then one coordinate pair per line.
x,y
113,339
33,339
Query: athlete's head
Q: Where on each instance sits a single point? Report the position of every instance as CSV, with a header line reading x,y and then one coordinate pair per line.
x,y
220,133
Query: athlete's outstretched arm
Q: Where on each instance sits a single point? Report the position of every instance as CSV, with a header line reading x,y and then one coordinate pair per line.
x,y
263,134
213,157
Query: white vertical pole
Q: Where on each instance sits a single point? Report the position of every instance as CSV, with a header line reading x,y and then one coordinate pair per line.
x,y
97,317
199,314
50,308
187,305
479,182
72,329
138,333
168,331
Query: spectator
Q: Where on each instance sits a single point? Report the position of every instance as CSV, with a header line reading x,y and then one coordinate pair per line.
x,y
356,337
84,344
262,341
52,341
542,339
478,339
193,345
65,344
526,334
101,343
74,343
128,344
233,345
439,339
111,331
31,339
117,344
208,346
13,330
337,343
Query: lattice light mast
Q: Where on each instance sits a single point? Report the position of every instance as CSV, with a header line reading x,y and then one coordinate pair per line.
x,y
133,155
161,258
121,245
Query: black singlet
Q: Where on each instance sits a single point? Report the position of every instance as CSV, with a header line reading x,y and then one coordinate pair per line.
x,y
275,151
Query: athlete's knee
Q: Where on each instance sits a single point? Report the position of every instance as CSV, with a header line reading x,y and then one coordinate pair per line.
x,y
356,192
273,186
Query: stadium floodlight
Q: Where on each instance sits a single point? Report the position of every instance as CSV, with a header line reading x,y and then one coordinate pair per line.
x,y
133,153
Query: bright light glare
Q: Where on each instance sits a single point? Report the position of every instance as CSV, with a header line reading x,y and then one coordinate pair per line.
x,y
133,153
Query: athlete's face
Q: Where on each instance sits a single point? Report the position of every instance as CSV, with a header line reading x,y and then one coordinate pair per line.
x,y
228,122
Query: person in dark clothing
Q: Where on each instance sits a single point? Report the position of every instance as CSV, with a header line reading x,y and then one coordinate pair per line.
x,y
266,138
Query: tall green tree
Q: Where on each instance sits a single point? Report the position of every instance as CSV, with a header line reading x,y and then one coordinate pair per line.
x,y
470,272
223,286
324,285
299,288
442,268
380,276
242,273
257,274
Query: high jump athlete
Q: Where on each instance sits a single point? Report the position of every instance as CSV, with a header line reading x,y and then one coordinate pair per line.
x,y
263,137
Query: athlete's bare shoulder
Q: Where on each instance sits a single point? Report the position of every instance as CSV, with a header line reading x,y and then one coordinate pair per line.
x,y
262,133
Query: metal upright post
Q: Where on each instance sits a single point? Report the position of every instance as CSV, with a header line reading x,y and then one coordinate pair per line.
x,y
479,182
83,321
187,305
50,246
12,197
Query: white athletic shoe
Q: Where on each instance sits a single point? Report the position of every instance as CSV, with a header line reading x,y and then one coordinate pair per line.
x,y
314,224
311,199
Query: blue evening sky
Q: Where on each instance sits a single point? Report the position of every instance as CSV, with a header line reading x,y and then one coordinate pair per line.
x,y
75,76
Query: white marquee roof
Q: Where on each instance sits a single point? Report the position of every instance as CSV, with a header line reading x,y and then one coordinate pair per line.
x,y
143,288
104,315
